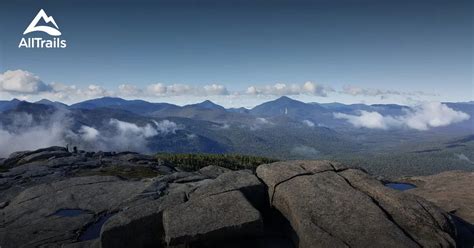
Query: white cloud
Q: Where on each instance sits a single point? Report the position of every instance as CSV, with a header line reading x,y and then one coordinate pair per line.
x,y
122,136
27,86
24,133
433,114
225,126
367,119
94,91
421,117
359,91
463,157
129,90
160,89
166,127
179,89
215,89
305,151
356,91
308,123
88,133
191,136
280,89
260,123
157,89
69,93
22,82
315,89
131,129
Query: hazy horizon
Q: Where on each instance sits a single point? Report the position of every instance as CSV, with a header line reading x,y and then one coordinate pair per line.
x,y
204,100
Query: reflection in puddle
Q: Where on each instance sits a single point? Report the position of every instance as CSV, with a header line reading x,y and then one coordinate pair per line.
x,y
400,186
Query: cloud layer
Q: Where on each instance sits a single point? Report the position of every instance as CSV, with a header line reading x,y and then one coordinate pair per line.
x,y
22,82
123,136
25,85
282,89
24,133
359,91
421,117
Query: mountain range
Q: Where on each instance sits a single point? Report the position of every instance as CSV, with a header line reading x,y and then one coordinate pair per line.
x,y
284,128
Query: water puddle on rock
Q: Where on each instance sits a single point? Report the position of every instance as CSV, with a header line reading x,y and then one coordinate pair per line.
x,y
93,230
71,212
400,186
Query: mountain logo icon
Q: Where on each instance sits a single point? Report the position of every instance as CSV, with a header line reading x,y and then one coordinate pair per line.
x,y
47,29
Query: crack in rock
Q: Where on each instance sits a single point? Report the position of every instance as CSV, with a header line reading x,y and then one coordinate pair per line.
x,y
284,181
329,233
387,214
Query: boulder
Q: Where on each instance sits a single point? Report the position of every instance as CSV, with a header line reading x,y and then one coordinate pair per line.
x,y
215,218
141,225
424,222
15,157
138,226
213,171
56,212
44,155
244,181
453,191
331,206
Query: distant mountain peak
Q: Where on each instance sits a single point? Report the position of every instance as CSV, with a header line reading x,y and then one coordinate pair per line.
x,y
44,101
208,104
286,101
285,98
51,103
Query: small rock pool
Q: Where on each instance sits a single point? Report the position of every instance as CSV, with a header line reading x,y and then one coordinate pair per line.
x,y
93,230
400,186
71,212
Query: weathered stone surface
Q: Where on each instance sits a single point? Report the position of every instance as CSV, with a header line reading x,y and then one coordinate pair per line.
x,y
163,169
228,181
283,171
453,191
425,223
330,207
325,203
213,171
172,183
95,243
213,218
43,156
29,168
140,225
30,219
15,157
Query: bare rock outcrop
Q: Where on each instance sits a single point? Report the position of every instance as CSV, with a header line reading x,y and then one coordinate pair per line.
x,y
330,207
453,191
58,212
55,198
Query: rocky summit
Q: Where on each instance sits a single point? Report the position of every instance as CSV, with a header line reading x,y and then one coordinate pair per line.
x,y
56,198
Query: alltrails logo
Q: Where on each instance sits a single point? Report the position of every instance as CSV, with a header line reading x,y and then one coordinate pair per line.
x,y
38,42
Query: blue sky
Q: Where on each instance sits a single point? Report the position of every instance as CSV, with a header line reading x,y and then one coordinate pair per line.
x,y
402,46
